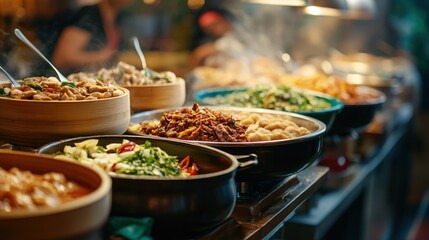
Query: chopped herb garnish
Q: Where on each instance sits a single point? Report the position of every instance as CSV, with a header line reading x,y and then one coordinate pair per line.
x,y
34,86
2,92
143,159
70,84
281,98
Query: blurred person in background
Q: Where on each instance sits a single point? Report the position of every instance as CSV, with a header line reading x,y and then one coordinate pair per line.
x,y
213,25
86,39
217,41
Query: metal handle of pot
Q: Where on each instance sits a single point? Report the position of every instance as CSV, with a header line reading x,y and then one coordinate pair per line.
x,y
246,161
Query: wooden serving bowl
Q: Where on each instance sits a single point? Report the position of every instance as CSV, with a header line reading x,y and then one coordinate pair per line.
x,y
80,218
155,96
34,123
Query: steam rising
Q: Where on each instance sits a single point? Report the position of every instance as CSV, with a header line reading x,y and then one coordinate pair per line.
x,y
270,31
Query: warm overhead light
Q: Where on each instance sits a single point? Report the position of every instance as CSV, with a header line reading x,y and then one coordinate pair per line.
x,y
196,4
151,2
349,9
286,57
294,3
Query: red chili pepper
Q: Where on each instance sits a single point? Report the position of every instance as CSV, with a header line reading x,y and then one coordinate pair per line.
x,y
25,88
48,89
185,162
112,168
193,170
184,166
126,147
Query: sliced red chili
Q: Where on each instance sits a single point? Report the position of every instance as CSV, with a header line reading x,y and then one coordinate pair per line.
x,y
185,162
48,89
126,147
26,88
113,167
193,170
185,166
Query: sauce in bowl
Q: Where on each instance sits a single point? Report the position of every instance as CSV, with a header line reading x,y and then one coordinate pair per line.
x,y
25,190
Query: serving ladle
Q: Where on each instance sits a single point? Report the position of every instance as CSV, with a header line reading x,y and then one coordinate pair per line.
x,y
21,36
139,51
11,79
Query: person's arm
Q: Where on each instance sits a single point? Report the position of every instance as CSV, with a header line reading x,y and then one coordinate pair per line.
x,y
70,50
201,53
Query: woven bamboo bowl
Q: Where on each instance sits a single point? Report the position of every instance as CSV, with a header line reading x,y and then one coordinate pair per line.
x,y
155,96
34,123
80,218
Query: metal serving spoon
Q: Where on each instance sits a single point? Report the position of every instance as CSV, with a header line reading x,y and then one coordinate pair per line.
x,y
11,79
21,36
139,51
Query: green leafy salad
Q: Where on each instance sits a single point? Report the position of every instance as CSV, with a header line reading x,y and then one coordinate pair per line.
x,y
129,158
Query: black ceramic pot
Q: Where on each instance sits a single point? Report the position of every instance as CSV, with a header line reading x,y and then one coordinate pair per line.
x,y
178,205
277,159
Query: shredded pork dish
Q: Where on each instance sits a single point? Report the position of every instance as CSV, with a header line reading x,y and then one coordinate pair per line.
x,y
43,88
204,124
24,190
127,75
196,124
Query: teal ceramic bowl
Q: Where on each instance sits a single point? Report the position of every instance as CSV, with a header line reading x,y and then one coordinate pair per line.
x,y
327,116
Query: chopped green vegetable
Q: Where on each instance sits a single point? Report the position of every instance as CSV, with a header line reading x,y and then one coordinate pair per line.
x,y
154,75
142,159
281,98
70,84
34,86
2,92
157,162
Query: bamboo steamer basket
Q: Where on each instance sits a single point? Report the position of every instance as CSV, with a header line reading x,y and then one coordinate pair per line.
x,y
155,96
35,123
80,218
